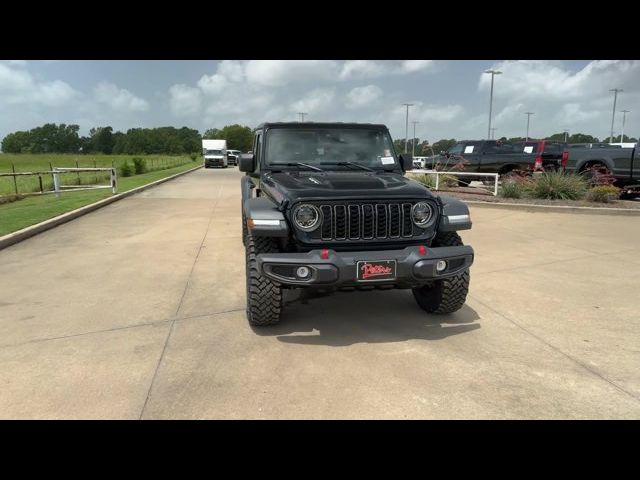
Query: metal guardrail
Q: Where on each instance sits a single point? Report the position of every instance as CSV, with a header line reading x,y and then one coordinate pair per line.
x,y
57,184
437,173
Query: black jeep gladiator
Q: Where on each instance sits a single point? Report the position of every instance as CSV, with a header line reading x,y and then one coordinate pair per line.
x,y
327,206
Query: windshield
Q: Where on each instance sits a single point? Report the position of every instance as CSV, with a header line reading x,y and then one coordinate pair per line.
x,y
213,152
370,148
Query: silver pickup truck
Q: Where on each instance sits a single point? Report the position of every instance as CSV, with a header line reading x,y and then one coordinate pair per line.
x,y
622,163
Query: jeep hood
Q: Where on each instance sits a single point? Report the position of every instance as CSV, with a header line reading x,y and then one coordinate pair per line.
x,y
295,186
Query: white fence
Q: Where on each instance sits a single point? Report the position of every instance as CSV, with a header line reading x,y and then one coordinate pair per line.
x,y
58,187
437,173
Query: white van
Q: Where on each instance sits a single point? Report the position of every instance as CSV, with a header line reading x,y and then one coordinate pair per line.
x,y
215,153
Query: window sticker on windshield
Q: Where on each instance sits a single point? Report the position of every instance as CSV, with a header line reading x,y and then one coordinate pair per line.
x,y
386,160
528,149
387,152
468,149
320,151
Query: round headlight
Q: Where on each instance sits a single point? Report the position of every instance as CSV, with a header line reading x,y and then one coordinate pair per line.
x,y
306,217
421,213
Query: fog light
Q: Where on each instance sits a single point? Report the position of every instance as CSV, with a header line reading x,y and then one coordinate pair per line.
x,y
441,265
303,272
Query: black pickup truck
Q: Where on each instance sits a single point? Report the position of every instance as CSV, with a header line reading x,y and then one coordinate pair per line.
x,y
622,163
326,206
486,156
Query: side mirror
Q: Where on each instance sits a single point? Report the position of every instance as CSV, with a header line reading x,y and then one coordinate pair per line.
x,y
406,161
247,163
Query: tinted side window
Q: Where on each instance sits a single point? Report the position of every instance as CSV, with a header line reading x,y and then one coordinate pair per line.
x,y
553,148
258,148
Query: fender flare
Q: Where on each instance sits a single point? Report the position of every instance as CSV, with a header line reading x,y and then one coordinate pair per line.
x,y
263,218
455,215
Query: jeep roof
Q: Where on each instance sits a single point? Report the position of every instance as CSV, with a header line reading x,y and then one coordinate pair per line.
x,y
320,124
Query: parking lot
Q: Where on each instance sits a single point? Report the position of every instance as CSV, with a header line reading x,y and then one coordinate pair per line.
x,y
137,311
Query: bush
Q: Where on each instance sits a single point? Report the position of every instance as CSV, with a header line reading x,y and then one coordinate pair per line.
x,y
517,187
559,186
139,165
193,157
426,179
126,170
603,193
447,181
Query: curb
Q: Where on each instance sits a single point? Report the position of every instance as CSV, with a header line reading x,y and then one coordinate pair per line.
x,y
555,208
30,231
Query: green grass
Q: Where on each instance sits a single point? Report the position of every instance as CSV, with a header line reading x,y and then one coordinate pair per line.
x,y
44,162
30,210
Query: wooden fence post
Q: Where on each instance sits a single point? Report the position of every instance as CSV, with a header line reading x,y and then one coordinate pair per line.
x,y
15,179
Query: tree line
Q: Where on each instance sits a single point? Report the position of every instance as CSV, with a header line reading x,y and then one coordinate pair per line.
x,y
62,138
424,148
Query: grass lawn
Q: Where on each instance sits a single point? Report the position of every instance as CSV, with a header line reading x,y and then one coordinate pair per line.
x,y
30,210
44,162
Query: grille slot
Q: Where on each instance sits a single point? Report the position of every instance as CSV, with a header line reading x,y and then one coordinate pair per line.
x,y
394,220
368,218
407,223
354,222
381,221
340,222
327,222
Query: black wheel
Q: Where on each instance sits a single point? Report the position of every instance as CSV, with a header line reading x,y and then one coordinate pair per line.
x,y
449,294
264,297
245,229
596,173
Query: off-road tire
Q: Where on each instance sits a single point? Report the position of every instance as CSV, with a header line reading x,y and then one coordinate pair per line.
x,y
264,297
245,229
449,294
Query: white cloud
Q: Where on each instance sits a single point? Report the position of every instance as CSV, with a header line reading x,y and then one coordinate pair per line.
x,y
119,99
362,69
185,100
277,73
411,66
360,97
18,86
317,101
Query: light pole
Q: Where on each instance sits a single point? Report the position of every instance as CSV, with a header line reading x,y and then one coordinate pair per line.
x,y
493,74
302,114
613,115
566,133
406,135
413,142
528,114
624,117
493,134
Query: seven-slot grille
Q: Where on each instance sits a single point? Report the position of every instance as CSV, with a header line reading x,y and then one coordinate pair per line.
x,y
367,221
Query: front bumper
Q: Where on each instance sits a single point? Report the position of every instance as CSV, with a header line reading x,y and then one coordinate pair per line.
x,y
339,269
214,162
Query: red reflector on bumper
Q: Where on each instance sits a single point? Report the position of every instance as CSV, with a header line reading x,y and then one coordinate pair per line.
x,y
324,254
422,250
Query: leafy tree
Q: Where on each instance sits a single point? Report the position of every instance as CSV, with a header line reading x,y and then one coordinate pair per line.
x,y
238,137
625,139
212,134
443,145
101,140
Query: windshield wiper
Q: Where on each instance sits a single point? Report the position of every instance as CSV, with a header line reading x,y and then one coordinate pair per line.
x,y
298,164
348,164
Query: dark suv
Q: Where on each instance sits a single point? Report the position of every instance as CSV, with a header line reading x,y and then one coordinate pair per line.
x,y
327,206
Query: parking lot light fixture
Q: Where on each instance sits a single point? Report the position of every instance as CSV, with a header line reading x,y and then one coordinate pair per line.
x,y
406,134
613,115
413,142
624,117
528,114
493,74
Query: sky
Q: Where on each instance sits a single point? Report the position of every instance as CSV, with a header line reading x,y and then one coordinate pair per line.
x,y
451,98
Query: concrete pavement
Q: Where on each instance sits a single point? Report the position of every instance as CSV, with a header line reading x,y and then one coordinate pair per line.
x,y
137,311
